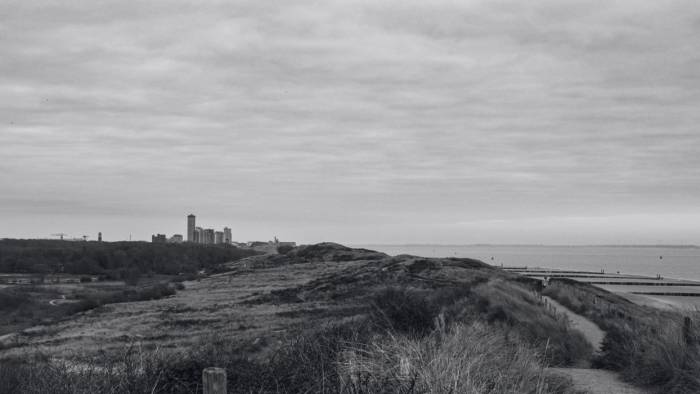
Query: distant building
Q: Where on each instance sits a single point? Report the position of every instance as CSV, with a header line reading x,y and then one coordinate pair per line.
x,y
219,237
190,228
99,237
227,236
160,238
198,235
277,242
176,239
209,236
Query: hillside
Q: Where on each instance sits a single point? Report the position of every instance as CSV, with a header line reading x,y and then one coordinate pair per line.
x,y
322,302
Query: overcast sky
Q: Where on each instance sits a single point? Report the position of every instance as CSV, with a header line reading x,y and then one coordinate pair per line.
x,y
556,122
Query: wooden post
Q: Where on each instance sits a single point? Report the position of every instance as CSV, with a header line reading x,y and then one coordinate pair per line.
x,y
214,381
405,367
350,376
688,330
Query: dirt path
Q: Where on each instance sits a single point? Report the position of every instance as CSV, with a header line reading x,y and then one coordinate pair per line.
x,y
597,381
589,329
593,381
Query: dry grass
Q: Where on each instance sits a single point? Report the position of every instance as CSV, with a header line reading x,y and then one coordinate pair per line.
x,y
346,358
648,347
460,359
291,325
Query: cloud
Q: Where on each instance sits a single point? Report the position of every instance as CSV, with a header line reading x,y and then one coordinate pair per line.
x,y
295,113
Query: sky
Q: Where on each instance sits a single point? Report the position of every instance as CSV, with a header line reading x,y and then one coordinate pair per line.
x,y
399,121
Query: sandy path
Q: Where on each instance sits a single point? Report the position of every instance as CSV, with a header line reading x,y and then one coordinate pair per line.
x,y
589,329
593,381
597,381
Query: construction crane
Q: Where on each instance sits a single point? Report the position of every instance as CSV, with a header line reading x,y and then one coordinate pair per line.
x,y
60,235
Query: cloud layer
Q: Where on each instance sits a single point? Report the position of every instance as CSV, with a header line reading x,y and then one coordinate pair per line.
x,y
358,121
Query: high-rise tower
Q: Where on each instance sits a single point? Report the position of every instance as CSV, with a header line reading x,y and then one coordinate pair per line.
x,y
190,227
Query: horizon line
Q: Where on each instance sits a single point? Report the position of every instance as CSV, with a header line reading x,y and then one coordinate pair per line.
x,y
693,246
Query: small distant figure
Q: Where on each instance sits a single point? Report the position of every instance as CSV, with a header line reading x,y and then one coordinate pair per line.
x,y
545,282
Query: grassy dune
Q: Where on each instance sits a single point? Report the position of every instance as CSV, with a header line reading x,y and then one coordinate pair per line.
x,y
322,318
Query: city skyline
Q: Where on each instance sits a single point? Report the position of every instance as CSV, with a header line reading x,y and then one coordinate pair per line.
x,y
355,122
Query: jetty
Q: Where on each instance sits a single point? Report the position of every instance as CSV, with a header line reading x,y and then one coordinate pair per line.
x,y
655,290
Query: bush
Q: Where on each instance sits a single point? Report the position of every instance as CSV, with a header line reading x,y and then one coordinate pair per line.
x,y
404,311
154,292
284,249
11,300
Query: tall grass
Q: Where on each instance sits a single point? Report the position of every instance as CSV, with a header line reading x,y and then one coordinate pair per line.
x,y
648,347
411,340
459,359
336,359
518,312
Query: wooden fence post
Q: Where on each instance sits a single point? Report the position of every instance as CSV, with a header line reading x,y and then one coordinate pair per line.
x,y
688,330
214,381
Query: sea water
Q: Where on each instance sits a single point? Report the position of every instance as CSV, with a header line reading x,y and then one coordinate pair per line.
x,y
669,262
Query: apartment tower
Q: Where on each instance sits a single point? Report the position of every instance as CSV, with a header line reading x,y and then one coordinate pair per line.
x,y
190,228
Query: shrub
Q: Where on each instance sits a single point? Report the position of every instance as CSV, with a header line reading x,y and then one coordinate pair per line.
x,y
403,310
284,249
11,300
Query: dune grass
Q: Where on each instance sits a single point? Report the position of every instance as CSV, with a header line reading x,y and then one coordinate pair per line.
x,y
411,340
652,348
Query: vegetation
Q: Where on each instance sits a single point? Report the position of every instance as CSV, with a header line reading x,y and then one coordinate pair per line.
x,y
649,347
356,356
112,260
25,306
416,326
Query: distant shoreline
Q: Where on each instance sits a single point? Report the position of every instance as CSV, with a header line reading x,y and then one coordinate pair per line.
x,y
532,246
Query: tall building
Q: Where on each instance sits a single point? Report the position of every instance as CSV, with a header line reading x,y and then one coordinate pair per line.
x,y
190,228
208,236
227,235
219,237
99,237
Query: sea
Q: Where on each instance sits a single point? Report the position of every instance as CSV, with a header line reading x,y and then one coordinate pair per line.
x,y
679,262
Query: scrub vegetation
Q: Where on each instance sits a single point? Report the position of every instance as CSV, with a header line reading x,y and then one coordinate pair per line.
x,y
655,348
126,261
364,322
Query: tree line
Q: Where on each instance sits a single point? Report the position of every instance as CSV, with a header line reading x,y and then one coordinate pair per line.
x,y
112,260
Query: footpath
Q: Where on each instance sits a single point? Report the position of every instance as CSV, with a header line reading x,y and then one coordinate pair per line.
x,y
593,381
